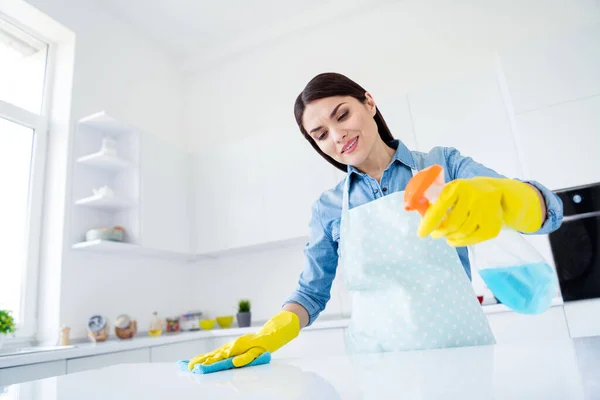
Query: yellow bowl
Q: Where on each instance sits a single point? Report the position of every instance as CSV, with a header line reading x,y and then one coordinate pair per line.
x,y
207,324
225,321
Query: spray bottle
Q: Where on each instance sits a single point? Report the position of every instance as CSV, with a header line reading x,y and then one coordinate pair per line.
x,y
513,270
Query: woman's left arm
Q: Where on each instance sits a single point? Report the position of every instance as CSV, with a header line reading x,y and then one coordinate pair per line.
x,y
462,167
477,201
542,201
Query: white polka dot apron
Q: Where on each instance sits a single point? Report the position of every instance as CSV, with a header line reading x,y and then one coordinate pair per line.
x,y
407,293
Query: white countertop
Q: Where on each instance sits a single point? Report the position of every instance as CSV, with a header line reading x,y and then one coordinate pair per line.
x,y
113,345
8,359
546,370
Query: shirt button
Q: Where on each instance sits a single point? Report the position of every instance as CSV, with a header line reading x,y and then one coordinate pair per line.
x,y
384,190
376,191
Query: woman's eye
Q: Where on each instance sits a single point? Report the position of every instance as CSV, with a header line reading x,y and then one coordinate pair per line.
x,y
343,116
322,136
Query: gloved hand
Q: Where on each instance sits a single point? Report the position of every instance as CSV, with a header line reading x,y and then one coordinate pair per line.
x,y
470,211
275,333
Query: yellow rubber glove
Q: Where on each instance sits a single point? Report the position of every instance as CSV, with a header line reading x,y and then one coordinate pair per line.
x,y
470,211
275,333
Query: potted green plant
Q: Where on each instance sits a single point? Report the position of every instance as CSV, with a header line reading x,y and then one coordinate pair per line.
x,y
244,316
7,325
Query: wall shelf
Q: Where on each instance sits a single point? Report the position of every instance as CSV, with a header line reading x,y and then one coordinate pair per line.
x,y
102,122
103,202
103,161
123,248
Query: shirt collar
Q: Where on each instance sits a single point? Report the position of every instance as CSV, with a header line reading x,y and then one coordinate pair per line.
x,y
402,155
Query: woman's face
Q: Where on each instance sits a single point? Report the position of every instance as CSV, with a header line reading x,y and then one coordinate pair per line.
x,y
342,127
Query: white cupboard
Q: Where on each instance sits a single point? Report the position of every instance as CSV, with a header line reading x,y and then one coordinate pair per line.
x,y
553,70
165,195
469,115
511,327
245,195
560,144
24,373
106,360
293,176
180,351
309,343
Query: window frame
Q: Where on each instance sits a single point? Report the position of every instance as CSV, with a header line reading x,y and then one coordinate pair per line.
x,y
39,123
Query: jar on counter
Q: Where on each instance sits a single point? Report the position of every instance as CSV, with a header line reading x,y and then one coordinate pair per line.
x,y
190,321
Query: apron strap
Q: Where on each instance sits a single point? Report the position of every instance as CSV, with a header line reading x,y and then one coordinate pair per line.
x,y
346,194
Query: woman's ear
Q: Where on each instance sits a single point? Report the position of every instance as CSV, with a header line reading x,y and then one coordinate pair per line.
x,y
370,104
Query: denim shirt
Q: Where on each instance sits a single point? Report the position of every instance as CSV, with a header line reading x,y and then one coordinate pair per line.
x,y
321,251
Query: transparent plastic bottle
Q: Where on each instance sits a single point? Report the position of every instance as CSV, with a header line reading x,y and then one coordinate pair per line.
x,y
156,325
518,276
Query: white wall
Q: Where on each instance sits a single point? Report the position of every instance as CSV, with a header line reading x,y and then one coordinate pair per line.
x,y
120,72
415,50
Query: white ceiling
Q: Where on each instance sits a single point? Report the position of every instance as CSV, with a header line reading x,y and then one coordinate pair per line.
x,y
199,31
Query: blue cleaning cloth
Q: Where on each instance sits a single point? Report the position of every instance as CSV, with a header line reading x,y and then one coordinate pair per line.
x,y
264,358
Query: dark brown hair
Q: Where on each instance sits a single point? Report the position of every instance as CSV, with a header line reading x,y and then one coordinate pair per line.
x,y
328,85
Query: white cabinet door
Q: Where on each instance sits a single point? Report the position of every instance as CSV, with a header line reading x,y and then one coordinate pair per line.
x,y
553,70
9,376
228,197
106,360
314,343
180,351
165,208
293,176
510,327
469,115
582,317
560,144
311,343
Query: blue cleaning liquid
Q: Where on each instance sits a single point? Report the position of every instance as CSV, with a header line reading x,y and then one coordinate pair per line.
x,y
526,289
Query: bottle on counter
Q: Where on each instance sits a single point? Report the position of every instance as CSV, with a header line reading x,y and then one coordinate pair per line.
x,y
156,325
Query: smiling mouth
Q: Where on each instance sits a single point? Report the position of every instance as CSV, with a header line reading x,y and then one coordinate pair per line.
x,y
350,146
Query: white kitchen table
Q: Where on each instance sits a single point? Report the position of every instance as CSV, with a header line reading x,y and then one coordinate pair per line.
x,y
544,370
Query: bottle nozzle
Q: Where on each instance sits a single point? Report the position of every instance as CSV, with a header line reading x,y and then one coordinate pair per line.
x,y
418,194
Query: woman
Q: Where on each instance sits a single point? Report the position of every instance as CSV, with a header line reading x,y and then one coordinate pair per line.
x,y
409,291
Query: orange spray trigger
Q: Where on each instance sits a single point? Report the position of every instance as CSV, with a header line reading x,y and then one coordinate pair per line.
x,y
418,194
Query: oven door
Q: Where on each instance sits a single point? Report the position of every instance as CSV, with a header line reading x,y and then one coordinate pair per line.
x,y
576,245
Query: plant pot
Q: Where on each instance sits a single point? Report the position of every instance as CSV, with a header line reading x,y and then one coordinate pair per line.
x,y
244,319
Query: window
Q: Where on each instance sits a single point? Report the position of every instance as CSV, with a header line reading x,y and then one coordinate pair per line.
x,y
23,130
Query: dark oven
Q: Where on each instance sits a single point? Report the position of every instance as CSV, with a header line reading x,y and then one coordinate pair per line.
x,y
576,244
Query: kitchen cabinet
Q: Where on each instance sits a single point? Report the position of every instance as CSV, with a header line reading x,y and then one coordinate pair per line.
x,y
165,197
9,376
560,143
105,360
314,343
250,192
294,177
511,327
582,318
553,70
228,197
180,351
469,115
309,343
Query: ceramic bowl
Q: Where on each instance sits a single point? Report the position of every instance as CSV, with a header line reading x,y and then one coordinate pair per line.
x,y
113,234
225,321
207,324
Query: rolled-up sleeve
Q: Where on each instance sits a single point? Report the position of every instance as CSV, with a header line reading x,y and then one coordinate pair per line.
x,y
464,167
314,286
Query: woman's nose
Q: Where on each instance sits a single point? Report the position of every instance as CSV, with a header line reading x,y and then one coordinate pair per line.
x,y
339,135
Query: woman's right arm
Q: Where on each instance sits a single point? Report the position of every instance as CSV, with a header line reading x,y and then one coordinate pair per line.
x,y
299,310
321,259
